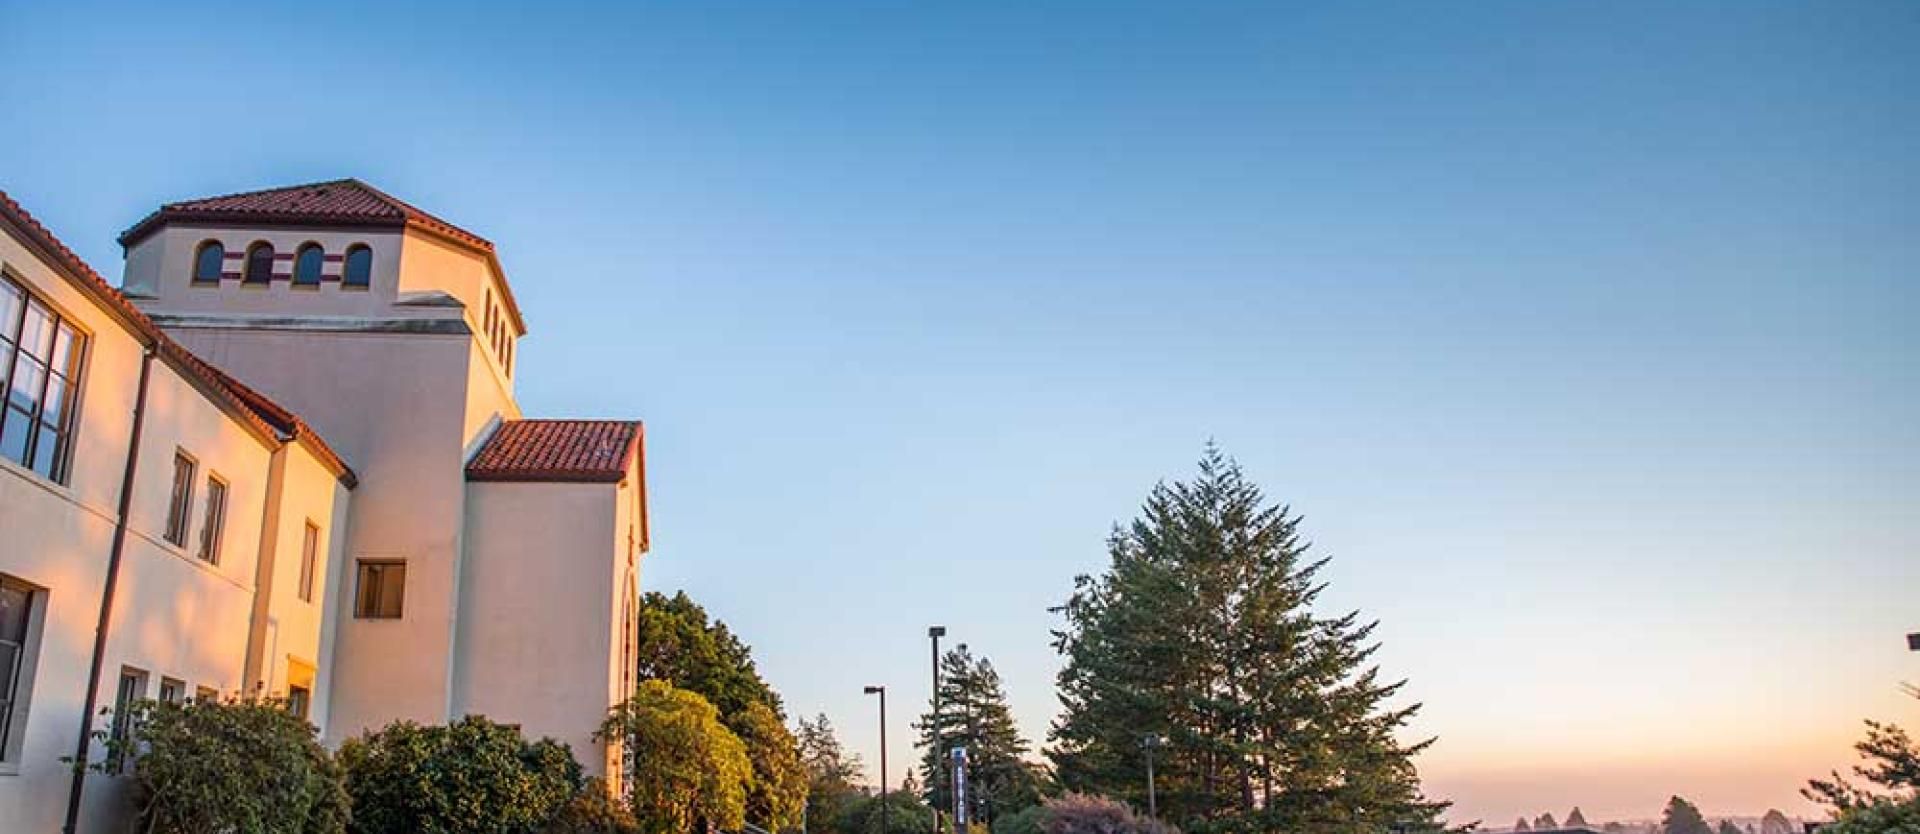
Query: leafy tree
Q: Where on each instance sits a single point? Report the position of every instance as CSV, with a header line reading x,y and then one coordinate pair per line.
x,y
1893,763
236,765
1681,817
1024,821
906,814
679,644
470,777
693,770
974,714
1202,633
1545,821
1881,815
1575,819
594,810
831,774
778,795
1775,822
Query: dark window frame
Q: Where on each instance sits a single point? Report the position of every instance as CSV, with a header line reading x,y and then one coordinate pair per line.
x,y
16,653
258,271
370,593
213,527
309,560
219,265
304,278
29,412
186,472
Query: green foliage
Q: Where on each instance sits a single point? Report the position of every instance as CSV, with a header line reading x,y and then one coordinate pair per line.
x,y
245,765
974,714
906,814
1775,823
1880,815
778,795
1892,762
594,810
676,643
1024,821
470,777
1202,633
831,774
679,644
1681,817
692,769
1082,814
1727,827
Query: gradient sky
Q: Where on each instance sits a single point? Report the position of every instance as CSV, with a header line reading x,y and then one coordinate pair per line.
x,y
1585,336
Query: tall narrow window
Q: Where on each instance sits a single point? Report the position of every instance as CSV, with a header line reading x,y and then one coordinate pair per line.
x,y
16,604
133,687
359,267
209,262
212,531
182,499
39,364
306,266
309,555
259,265
382,590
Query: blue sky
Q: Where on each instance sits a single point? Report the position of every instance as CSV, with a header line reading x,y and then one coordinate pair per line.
x,y
1583,334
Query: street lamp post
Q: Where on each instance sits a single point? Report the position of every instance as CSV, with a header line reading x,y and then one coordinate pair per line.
x,y
939,753
882,692
1153,804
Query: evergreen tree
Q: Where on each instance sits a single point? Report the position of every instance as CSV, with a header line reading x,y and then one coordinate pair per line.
x,y
1775,823
974,714
1727,827
1681,817
1202,633
1521,824
832,774
1575,819
1613,828
1545,822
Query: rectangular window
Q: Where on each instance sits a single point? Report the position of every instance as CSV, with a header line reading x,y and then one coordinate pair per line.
x,y
299,687
214,527
205,694
16,609
133,687
39,365
298,699
309,554
382,589
173,691
182,500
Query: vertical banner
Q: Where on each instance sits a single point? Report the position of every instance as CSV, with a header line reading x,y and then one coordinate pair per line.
x,y
959,789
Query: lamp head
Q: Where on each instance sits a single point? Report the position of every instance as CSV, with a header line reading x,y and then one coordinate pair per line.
x,y
875,690
936,631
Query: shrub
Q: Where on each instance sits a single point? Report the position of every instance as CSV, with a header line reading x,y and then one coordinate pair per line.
x,y
470,777
906,814
238,765
1023,821
1082,814
593,810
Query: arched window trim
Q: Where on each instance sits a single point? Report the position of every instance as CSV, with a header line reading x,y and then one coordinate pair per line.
x,y
258,271
347,278
219,264
302,278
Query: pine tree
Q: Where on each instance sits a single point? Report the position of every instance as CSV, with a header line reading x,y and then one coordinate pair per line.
x,y
1521,824
1202,634
832,774
1575,819
1681,817
1775,822
974,714
1545,822
1727,827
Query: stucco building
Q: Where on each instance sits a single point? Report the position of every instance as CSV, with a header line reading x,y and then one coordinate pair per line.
x,y
284,457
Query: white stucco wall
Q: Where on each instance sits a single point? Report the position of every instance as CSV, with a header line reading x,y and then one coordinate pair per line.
x,y
159,269
541,576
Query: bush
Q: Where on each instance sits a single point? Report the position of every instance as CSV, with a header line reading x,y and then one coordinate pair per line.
x,y
1023,821
470,777
593,810
906,814
693,770
1082,814
239,765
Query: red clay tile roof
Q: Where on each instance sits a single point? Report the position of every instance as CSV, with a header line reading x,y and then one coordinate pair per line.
x,y
263,415
586,451
348,202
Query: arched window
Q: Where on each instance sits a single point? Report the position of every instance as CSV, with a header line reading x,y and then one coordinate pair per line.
x,y
359,271
259,264
306,265
209,262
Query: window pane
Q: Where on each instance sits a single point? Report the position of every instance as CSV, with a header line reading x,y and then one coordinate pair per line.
x,y
14,433
359,267
36,332
259,264
11,300
208,265
306,268
211,529
14,601
66,350
180,501
308,554
28,378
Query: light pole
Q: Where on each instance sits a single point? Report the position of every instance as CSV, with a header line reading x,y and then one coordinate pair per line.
x,y
1153,803
939,752
882,692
